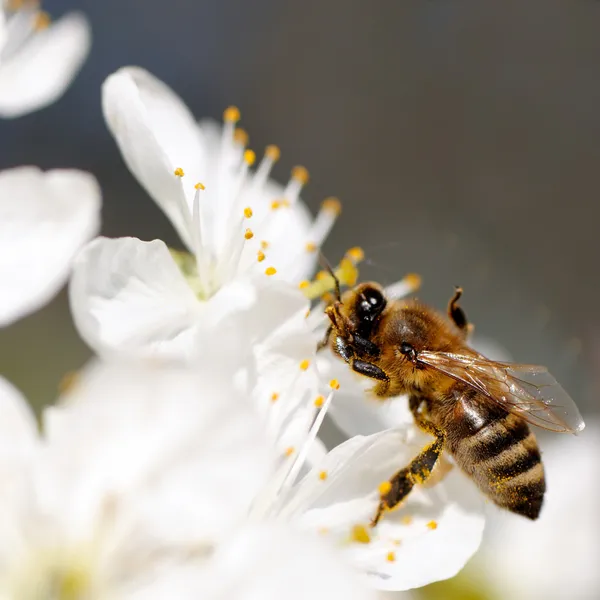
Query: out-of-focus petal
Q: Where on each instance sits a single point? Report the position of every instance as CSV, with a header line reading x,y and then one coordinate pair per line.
x,y
129,296
39,72
431,537
45,218
156,135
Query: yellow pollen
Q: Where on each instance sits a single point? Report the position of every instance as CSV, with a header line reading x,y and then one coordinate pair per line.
x,y
407,520
323,475
385,487
356,254
300,174
322,275
319,400
432,525
391,556
178,172
248,234
249,157
348,273
332,205
232,114
304,364
270,271
274,397
360,534
264,245
413,280
273,152
200,186
275,204
303,284
241,136
248,212
334,384
289,451
260,256
42,20
310,247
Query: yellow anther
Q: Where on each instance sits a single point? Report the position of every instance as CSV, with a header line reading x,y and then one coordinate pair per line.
x,y
334,384
68,382
304,284
304,364
432,525
273,152
249,157
332,205
289,451
385,487
200,186
391,556
241,136
260,256
348,273
264,245
323,475
310,247
270,271
356,254
407,520
178,172
319,401
397,542
274,397
248,212
275,204
360,534
42,20
248,234
413,280
300,174
322,275
231,114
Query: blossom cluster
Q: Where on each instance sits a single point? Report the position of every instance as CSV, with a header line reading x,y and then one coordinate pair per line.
x,y
185,460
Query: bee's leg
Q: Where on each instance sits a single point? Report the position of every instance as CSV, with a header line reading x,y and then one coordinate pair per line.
x,y
457,314
369,369
325,341
417,472
365,346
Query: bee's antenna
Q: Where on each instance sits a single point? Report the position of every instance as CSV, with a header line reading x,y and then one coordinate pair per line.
x,y
325,264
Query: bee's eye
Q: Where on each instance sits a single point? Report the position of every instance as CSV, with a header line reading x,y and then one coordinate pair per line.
x,y
406,348
371,304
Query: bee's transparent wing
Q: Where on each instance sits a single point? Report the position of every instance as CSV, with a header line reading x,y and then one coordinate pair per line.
x,y
529,391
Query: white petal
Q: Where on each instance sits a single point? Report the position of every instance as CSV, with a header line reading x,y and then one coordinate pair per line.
x,y
348,496
18,443
156,135
272,562
172,452
354,411
129,296
40,72
45,218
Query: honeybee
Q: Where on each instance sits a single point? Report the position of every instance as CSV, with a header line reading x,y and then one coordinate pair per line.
x,y
477,409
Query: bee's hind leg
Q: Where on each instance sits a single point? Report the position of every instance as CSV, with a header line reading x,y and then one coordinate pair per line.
x,y
418,471
457,314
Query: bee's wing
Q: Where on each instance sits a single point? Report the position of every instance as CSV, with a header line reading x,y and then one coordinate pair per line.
x,y
529,391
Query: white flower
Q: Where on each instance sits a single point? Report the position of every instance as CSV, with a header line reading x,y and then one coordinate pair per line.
x,y
139,488
129,294
556,556
38,60
45,218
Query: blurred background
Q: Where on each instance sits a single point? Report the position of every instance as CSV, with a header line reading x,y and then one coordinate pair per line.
x,y
462,136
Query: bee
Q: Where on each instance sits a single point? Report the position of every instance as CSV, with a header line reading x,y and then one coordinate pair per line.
x,y
477,410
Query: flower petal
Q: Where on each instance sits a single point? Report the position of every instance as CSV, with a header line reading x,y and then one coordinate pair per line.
x,y
171,453
45,218
128,295
40,72
156,134
433,534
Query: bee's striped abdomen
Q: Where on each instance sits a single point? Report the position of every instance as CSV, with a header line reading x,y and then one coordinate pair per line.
x,y
501,454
